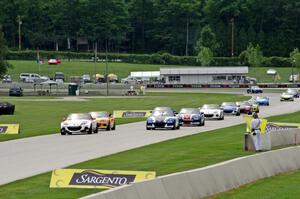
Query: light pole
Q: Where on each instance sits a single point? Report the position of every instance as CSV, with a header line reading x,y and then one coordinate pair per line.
x,y
19,30
293,64
95,59
232,36
106,68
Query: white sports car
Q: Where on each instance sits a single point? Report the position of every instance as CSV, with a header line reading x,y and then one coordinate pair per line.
x,y
78,123
287,97
212,111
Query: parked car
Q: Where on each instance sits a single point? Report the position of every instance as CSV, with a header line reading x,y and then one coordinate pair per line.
x,y
59,76
104,120
286,97
54,61
78,123
15,91
254,89
32,78
245,107
6,79
212,111
293,91
131,80
162,118
86,78
263,101
7,108
191,116
231,108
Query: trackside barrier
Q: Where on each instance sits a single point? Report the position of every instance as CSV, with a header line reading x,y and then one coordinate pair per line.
x,y
276,138
210,180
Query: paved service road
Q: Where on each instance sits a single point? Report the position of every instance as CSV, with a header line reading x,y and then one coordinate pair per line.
x,y
27,157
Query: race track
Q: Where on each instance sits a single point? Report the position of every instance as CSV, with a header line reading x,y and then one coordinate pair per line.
x,y
27,157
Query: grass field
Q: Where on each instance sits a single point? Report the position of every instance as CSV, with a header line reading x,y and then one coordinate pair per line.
x,y
29,113
121,69
167,157
282,186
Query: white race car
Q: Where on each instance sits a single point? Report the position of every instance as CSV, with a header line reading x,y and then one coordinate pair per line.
x,y
212,111
287,97
78,123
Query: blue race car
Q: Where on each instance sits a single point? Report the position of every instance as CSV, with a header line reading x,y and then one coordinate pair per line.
x,y
263,101
231,108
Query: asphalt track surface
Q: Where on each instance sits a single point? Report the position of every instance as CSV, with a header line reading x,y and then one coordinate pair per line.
x,y
27,157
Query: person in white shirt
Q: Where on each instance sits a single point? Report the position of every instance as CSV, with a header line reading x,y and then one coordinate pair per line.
x,y
256,131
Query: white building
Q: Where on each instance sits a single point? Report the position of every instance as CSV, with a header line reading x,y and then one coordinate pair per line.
x,y
204,75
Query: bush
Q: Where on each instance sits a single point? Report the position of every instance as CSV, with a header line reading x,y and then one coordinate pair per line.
x,y
156,58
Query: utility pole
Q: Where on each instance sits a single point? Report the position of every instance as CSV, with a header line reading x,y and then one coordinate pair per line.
x,y
38,60
232,37
95,58
187,36
19,30
106,68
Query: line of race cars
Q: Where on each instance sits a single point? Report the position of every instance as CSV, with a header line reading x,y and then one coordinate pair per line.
x,y
168,118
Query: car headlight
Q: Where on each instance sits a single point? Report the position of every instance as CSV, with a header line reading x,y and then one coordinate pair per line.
x,y
65,124
150,119
196,117
170,120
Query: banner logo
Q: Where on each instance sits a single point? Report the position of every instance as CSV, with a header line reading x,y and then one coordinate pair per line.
x,y
132,114
3,129
9,128
100,179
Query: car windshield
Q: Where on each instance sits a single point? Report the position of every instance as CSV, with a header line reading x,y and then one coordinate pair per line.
x,y
99,114
79,117
243,103
228,104
210,106
189,111
261,98
160,113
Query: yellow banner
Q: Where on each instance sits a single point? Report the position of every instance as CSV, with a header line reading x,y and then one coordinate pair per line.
x,y
248,120
96,179
132,113
9,128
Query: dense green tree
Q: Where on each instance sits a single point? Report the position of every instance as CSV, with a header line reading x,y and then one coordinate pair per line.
x,y
205,56
207,39
3,51
252,55
149,26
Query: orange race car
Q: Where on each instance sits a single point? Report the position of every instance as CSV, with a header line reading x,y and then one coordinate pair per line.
x,y
104,120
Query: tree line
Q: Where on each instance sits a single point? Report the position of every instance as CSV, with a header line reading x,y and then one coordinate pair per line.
x,y
179,27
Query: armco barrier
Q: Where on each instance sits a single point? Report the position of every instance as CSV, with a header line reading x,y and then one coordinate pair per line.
x,y
210,180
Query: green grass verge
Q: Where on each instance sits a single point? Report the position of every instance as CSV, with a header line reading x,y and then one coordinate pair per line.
x,y
282,186
121,69
166,157
29,113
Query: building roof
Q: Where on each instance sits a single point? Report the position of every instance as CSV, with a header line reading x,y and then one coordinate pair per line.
x,y
204,70
145,74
